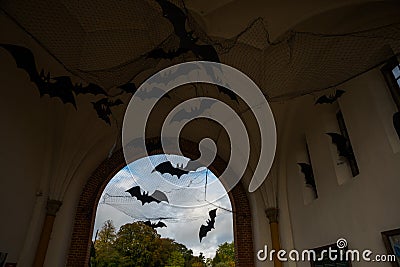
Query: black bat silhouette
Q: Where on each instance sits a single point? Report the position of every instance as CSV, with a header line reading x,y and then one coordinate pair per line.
x,y
187,42
157,196
342,144
155,92
103,108
181,70
204,229
129,88
193,113
193,165
166,167
329,99
91,88
57,87
155,225
160,53
307,170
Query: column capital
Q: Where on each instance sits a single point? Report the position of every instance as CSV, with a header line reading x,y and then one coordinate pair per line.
x,y
52,207
272,214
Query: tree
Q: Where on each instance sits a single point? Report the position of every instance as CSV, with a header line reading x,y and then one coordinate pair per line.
x,y
225,255
136,243
176,259
106,254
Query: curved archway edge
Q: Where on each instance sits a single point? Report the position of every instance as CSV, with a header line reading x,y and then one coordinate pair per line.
x,y
78,254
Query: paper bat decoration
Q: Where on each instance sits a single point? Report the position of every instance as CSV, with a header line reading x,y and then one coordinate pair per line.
x,y
194,112
155,92
329,99
129,88
341,144
186,41
307,170
155,225
157,196
53,87
193,165
103,108
160,53
166,167
204,229
181,70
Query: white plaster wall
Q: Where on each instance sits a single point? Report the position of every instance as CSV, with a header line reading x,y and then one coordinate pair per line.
x,y
364,206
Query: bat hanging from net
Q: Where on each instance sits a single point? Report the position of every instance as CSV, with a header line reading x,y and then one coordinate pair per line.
x,y
144,197
204,229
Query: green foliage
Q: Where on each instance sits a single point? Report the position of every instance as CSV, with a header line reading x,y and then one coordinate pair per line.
x,y
105,253
137,245
225,255
176,259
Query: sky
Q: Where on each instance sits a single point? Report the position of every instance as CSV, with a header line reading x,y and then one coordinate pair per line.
x,y
189,203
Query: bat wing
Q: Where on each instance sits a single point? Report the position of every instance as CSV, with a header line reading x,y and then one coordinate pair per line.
x,y
206,52
178,172
324,100
159,53
116,103
160,225
159,196
25,60
206,104
155,92
182,70
166,167
193,165
306,169
213,214
129,88
181,115
204,229
148,223
134,191
339,93
341,143
228,92
61,88
93,89
163,167
103,111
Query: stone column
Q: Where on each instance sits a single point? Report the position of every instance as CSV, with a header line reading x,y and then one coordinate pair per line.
x,y
272,215
52,208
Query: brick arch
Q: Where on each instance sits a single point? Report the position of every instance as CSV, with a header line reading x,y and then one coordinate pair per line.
x,y
78,254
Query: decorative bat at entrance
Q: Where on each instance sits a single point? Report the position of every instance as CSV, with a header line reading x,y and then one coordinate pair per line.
x,y
204,229
157,196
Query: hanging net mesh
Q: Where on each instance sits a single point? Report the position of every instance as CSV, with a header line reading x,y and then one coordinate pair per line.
x,y
200,190
108,44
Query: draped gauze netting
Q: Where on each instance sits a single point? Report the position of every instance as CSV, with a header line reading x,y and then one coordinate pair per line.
x,y
108,43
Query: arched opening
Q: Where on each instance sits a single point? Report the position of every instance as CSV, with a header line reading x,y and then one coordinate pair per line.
x,y
175,206
79,251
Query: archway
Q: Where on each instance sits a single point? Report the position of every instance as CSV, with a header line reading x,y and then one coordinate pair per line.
x,y
86,210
